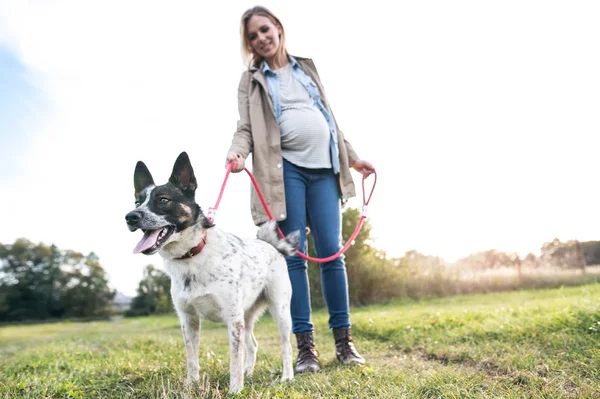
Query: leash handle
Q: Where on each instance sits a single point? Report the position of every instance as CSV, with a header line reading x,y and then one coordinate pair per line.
x,y
212,212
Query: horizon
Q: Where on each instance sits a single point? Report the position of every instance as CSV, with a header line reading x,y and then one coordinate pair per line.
x,y
479,118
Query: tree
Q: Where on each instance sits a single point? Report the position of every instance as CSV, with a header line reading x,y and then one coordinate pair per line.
x,y
591,252
579,256
29,281
531,261
568,255
40,282
491,259
86,292
551,253
153,295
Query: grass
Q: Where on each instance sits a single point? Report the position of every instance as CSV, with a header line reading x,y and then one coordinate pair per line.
x,y
528,344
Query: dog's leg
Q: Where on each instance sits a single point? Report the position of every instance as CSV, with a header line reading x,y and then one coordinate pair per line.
x,y
279,307
251,349
236,354
251,344
190,326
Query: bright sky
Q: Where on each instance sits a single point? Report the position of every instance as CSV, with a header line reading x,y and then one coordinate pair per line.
x,y
482,118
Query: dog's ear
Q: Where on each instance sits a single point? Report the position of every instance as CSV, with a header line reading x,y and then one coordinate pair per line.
x,y
183,174
141,178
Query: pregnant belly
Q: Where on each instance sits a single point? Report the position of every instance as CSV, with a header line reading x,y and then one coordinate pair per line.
x,y
303,128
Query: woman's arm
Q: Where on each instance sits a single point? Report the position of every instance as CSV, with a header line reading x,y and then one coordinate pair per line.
x,y
359,165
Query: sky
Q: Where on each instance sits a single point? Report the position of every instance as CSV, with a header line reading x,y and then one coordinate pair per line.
x,y
482,118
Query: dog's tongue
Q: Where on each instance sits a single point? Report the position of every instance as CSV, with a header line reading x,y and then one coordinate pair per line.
x,y
148,240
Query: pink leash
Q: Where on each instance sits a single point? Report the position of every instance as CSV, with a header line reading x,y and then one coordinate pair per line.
x,y
212,212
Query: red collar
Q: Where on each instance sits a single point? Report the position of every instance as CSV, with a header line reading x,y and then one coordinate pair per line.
x,y
196,250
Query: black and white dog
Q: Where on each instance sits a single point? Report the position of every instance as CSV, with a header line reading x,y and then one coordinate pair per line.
x,y
214,275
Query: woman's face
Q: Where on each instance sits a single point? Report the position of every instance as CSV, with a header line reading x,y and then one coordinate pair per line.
x,y
263,36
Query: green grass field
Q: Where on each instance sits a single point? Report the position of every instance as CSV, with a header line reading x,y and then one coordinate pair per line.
x,y
530,344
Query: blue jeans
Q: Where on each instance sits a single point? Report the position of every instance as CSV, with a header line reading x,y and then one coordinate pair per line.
x,y
312,196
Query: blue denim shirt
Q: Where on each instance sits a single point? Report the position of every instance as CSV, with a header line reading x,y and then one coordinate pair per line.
x,y
275,94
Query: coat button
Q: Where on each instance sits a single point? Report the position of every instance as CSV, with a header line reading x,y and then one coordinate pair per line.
x,y
282,216
279,166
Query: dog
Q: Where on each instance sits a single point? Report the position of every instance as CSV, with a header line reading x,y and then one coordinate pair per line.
x,y
214,275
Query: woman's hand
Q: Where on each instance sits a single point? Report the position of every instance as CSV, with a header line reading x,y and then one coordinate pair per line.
x,y
238,162
363,167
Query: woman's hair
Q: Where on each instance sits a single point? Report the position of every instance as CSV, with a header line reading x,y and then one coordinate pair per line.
x,y
252,59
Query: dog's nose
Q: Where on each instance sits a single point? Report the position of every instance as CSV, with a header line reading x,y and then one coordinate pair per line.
x,y
133,217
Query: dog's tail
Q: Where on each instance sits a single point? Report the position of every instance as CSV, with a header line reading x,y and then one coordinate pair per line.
x,y
287,246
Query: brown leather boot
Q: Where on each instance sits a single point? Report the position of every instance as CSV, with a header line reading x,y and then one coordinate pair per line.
x,y
344,347
307,354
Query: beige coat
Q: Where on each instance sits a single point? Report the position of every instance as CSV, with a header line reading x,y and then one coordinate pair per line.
x,y
258,132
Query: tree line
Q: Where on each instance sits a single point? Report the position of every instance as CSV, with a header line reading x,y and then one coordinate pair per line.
x,y
39,282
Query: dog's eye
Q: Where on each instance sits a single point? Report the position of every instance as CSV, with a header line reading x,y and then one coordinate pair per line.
x,y
164,200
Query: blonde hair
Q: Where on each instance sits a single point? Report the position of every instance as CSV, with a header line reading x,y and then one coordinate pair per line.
x,y
252,59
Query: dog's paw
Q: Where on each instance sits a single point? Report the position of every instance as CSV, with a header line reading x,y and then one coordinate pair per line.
x,y
233,389
287,377
191,380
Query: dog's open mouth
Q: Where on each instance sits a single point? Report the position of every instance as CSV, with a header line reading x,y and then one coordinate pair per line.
x,y
153,240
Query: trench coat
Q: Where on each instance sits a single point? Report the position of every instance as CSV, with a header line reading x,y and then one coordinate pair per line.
x,y
258,133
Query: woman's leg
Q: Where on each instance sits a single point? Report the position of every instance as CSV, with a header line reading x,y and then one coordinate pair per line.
x,y
325,220
323,207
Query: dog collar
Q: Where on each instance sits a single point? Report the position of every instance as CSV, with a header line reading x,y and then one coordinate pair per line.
x,y
196,250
